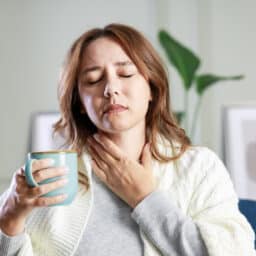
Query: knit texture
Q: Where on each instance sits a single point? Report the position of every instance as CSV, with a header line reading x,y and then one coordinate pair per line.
x,y
198,184
10,245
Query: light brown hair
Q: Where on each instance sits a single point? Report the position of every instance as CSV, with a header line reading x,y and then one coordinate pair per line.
x,y
159,119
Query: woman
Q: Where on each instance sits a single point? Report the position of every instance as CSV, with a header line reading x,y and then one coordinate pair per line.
x,y
145,189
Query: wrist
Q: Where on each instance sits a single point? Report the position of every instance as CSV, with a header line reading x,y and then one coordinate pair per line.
x,y
11,226
140,198
11,223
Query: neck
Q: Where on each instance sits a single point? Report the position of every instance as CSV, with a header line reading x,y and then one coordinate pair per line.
x,y
131,142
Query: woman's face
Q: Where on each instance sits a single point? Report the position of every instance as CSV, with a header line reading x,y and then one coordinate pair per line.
x,y
114,94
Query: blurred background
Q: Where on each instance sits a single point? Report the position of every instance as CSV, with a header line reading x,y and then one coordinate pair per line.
x,y
35,36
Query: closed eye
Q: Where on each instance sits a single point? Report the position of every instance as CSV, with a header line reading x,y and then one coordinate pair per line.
x,y
126,76
97,81
94,82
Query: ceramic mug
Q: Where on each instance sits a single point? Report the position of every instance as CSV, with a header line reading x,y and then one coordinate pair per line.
x,y
61,158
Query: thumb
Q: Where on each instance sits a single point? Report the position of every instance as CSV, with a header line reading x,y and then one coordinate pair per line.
x,y
146,157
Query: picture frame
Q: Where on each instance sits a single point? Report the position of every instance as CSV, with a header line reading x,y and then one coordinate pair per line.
x,y
239,144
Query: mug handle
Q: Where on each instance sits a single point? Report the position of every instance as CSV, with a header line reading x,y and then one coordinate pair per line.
x,y
28,173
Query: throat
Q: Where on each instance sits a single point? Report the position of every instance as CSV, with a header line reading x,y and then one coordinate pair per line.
x,y
131,146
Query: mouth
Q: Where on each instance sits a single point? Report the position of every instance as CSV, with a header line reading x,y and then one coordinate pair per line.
x,y
114,108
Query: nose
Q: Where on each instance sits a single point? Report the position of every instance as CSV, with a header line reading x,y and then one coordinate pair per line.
x,y
111,89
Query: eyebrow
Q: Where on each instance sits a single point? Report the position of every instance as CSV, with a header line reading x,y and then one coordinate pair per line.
x,y
118,64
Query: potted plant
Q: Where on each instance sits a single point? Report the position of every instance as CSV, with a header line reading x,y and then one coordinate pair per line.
x,y
187,63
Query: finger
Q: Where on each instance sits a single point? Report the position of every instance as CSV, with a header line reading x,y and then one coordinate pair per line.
x,y
20,172
42,164
47,201
21,189
109,146
146,158
21,185
20,179
97,170
23,171
100,154
44,174
46,188
98,159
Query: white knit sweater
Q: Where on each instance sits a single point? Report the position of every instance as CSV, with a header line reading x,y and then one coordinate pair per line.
x,y
198,184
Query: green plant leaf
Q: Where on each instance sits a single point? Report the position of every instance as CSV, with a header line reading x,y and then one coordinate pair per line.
x,y
205,81
179,116
183,59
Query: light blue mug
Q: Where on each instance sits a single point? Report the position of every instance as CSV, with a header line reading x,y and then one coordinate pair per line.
x,y
63,158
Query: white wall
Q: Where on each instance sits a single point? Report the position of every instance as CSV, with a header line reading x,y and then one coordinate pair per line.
x,y
35,36
227,44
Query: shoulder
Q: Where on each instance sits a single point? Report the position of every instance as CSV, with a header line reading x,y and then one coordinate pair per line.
x,y
199,164
199,155
193,154
202,180
196,161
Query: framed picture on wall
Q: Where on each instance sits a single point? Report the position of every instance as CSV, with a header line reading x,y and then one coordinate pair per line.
x,y
239,143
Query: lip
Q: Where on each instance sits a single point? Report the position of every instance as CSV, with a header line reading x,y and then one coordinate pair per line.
x,y
114,108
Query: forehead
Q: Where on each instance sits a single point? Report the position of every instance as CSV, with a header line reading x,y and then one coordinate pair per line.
x,y
103,50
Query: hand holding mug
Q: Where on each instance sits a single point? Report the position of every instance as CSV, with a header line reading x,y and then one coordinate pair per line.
x,y
54,177
65,159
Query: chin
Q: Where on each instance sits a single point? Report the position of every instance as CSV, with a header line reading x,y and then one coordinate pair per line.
x,y
120,125
116,129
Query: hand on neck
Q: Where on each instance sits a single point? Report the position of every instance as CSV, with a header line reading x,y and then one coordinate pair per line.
x,y
130,142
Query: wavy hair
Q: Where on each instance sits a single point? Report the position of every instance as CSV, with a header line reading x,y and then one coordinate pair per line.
x,y
160,120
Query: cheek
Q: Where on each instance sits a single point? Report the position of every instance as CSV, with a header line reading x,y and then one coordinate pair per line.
x,y
86,101
145,97
91,105
141,94
144,89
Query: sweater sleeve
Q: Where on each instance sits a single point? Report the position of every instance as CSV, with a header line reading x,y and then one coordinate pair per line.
x,y
10,245
18,245
214,208
168,229
198,214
